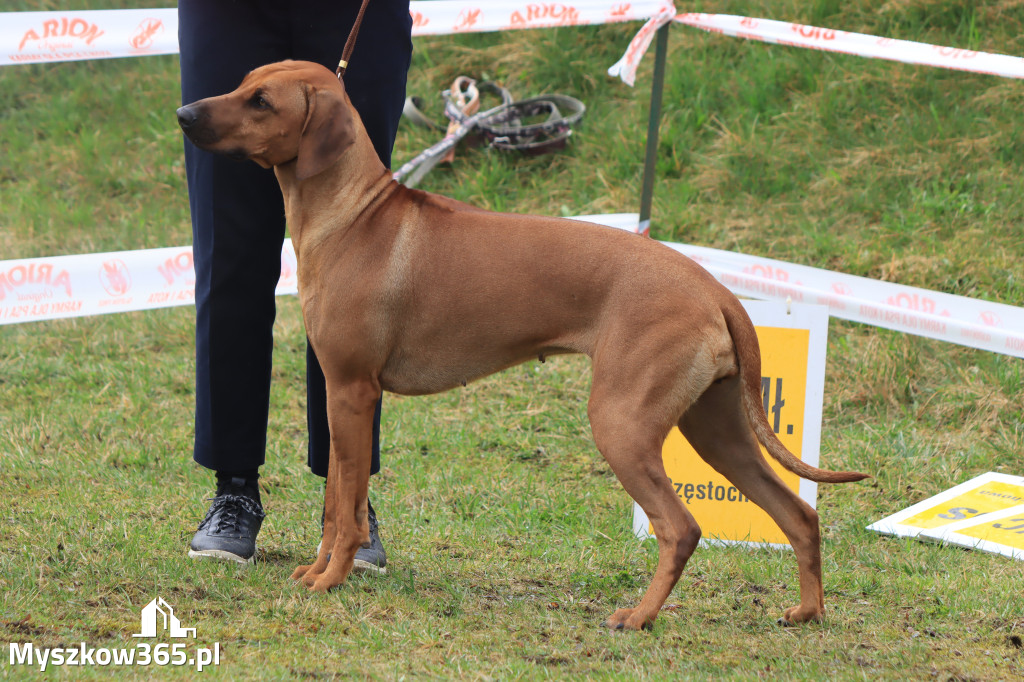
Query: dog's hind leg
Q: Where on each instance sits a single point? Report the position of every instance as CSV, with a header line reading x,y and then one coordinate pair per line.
x,y
632,447
717,427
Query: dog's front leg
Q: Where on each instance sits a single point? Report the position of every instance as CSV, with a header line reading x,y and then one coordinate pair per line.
x,y
350,410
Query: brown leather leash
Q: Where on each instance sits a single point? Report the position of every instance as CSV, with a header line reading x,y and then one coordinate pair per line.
x,y
350,44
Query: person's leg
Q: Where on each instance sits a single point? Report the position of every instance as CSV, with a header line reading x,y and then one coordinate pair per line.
x,y
376,75
375,81
238,226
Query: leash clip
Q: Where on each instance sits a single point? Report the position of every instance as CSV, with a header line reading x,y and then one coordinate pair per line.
x,y
350,43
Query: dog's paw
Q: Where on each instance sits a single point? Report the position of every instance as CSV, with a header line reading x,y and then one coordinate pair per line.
x,y
325,582
320,586
301,571
628,619
798,614
310,579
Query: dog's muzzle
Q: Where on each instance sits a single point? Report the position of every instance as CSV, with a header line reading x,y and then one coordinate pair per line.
x,y
190,118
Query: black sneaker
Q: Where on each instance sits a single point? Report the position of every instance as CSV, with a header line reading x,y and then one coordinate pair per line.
x,y
229,530
370,558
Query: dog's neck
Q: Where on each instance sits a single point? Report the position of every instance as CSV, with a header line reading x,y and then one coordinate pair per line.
x,y
349,193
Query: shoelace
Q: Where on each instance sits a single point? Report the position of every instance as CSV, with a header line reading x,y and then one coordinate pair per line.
x,y
230,507
372,518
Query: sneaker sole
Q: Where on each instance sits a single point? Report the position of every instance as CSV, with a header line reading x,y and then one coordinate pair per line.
x,y
220,555
360,566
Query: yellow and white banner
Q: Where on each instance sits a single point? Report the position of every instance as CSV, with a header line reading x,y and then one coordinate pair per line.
x,y
793,342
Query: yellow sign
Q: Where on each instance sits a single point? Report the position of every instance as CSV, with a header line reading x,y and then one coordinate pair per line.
x,y
982,494
986,498
1004,531
1000,532
789,356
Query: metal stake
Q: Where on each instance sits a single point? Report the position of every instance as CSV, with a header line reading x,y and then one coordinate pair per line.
x,y
651,158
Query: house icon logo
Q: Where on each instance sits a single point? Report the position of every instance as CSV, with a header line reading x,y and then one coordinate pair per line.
x,y
158,613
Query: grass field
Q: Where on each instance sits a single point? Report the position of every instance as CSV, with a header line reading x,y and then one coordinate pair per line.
x,y
508,538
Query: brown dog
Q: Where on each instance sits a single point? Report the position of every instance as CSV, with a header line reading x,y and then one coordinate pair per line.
x,y
414,293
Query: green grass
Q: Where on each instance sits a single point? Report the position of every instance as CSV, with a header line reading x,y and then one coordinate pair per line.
x,y
508,538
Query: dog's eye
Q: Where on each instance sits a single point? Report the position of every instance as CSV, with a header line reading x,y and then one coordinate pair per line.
x,y
259,101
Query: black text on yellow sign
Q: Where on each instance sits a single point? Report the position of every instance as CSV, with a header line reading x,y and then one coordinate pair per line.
x,y
722,511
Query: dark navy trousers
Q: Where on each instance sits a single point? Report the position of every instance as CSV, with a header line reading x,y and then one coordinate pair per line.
x,y
238,222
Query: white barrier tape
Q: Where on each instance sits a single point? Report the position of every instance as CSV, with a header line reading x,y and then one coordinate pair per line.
x,y
860,44
458,16
966,321
626,67
831,40
36,289
92,284
31,37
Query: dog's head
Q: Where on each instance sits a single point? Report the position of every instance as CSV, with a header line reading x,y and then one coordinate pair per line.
x,y
283,112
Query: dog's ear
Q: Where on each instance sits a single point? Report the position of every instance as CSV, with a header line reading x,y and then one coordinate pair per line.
x,y
329,130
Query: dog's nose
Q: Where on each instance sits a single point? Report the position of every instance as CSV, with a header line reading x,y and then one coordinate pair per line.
x,y
186,117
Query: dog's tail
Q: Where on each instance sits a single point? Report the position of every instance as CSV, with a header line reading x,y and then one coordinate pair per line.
x,y
747,354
